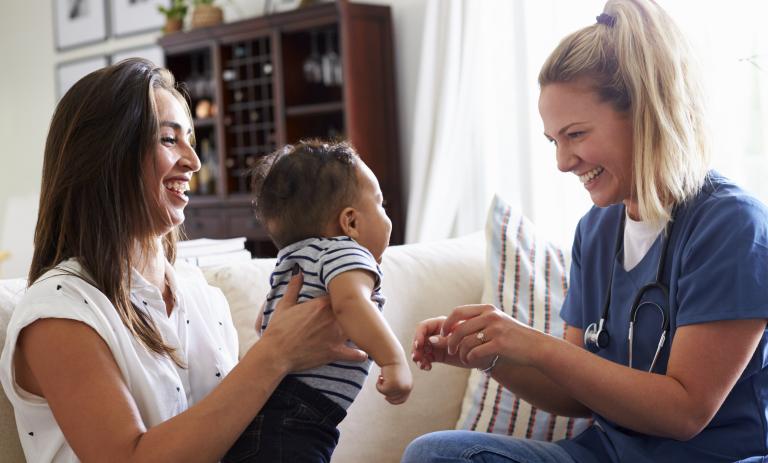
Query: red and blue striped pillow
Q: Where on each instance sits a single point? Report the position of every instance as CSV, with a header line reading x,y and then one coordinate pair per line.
x,y
526,277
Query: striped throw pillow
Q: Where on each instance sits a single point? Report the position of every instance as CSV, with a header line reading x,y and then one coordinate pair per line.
x,y
527,277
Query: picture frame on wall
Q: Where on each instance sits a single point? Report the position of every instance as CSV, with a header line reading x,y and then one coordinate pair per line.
x,y
69,72
79,22
131,17
153,53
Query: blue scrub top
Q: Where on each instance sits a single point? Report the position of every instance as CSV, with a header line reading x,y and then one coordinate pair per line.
x,y
717,269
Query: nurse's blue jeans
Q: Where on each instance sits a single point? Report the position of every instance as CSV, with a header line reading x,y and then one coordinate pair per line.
x,y
476,447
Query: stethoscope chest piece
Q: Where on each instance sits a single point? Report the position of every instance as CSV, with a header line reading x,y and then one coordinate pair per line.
x,y
596,337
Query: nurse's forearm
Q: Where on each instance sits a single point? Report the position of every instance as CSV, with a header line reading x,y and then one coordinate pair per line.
x,y
647,403
537,389
705,362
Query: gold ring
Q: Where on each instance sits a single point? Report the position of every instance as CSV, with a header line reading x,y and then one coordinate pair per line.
x,y
480,336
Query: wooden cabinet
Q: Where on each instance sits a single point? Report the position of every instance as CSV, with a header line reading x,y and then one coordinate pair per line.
x,y
325,71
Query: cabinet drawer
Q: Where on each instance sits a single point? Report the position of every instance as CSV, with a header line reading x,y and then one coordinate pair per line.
x,y
242,222
202,223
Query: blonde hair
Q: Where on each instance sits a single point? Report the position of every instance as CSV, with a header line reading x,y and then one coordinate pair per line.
x,y
638,60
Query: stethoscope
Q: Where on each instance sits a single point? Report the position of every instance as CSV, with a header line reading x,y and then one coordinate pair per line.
x,y
596,335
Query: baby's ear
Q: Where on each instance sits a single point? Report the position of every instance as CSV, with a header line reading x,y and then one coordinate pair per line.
x,y
348,222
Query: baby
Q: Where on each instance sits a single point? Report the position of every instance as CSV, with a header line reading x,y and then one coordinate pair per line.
x,y
323,209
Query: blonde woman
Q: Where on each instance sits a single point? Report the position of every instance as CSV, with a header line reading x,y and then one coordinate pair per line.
x,y
111,355
666,342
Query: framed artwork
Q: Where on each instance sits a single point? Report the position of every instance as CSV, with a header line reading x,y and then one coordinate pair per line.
x,y
69,72
135,16
151,52
79,22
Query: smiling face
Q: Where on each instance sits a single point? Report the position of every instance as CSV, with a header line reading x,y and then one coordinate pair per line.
x,y
592,140
167,173
372,226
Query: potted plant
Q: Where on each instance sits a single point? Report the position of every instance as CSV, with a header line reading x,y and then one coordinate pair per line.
x,y
174,15
206,14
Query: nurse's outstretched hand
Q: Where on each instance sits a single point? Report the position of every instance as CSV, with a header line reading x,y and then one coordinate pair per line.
x,y
429,346
477,333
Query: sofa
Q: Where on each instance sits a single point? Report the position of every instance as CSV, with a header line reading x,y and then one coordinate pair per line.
x,y
420,281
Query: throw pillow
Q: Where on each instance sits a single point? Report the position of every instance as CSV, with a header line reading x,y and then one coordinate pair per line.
x,y
526,276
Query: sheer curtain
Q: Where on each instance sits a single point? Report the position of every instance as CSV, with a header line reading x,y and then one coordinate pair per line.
x,y
466,124
477,130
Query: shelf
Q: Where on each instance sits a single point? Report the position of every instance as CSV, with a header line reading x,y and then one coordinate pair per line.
x,y
235,200
204,122
240,84
312,109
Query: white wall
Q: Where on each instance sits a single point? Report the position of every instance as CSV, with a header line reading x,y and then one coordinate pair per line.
x,y
27,100
26,103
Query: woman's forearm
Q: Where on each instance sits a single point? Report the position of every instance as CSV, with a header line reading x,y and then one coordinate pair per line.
x,y
220,417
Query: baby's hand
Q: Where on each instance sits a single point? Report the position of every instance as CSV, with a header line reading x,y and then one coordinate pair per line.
x,y
395,382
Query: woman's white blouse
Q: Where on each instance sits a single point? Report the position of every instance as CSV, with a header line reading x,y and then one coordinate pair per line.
x,y
199,327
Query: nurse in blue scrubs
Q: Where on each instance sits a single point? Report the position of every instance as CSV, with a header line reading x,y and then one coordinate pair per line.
x,y
666,343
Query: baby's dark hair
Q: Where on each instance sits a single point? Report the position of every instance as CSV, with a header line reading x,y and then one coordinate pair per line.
x,y
299,189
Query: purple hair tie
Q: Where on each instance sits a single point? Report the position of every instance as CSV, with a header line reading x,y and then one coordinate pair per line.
x,y
606,19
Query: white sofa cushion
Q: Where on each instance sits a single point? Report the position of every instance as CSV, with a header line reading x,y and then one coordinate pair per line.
x,y
420,281
526,276
245,285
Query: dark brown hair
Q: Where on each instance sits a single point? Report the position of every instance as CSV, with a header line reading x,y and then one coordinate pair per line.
x,y
299,189
94,206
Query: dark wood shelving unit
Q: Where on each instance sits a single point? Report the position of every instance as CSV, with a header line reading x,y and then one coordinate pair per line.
x,y
325,70
204,122
317,108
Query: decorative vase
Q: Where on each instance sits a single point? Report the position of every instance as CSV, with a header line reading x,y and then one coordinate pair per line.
x,y
172,25
206,15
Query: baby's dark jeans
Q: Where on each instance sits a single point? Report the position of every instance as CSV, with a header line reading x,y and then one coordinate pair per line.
x,y
296,425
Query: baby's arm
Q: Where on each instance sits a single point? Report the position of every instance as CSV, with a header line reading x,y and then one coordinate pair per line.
x,y
363,323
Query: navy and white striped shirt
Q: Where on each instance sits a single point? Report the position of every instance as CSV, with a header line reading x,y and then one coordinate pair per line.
x,y
321,260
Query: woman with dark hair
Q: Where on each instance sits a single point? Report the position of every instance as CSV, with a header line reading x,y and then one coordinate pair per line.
x,y
111,354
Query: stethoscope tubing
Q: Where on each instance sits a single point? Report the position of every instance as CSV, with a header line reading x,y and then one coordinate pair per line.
x,y
597,337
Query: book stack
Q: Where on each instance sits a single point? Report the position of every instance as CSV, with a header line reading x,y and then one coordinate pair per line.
x,y
206,252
